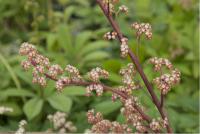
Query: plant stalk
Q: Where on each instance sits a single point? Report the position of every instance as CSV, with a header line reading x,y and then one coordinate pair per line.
x,y
137,64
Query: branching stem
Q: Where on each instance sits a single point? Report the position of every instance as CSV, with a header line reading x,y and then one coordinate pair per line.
x,y
105,87
137,64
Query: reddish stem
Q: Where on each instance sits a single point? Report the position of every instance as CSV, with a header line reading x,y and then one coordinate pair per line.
x,y
161,100
136,62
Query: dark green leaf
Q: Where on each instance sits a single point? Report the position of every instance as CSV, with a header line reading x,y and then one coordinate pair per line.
x,y
33,107
60,102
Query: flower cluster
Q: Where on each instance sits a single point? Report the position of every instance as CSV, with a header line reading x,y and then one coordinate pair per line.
x,y
124,47
5,110
131,114
143,28
127,74
166,81
160,62
42,68
74,77
94,87
55,70
39,62
123,9
129,85
60,124
110,35
62,82
38,77
26,49
96,73
21,129
101,125
158,124
155,125
73,73
26,65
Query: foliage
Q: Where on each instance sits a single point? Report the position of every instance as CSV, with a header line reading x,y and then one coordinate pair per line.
x,y
71,32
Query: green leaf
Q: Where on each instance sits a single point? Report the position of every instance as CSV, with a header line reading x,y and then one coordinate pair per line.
x,y
60,102
107,107
68,12
115,78
113,65
93,46
49,89
74,91
184,68
10,70
16,93
121,118
64,38
98,55
33,107
25,76
82,39
51,39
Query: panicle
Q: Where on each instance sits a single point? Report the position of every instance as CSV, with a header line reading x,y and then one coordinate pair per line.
x,y
167,80
96,73
142,28
100,125
160,62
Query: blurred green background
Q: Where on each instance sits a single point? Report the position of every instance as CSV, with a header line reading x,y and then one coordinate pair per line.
x,y
70,32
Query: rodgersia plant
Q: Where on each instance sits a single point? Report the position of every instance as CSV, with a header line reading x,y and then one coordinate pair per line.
x,y
136,118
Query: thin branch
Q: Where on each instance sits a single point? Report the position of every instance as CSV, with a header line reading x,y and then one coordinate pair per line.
x,y
161,100
106,88
161,93
136,62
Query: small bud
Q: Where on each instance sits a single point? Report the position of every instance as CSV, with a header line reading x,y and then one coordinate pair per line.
x,y
123,9
97,87
26,65
110,35
63,81
124,47
42,81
